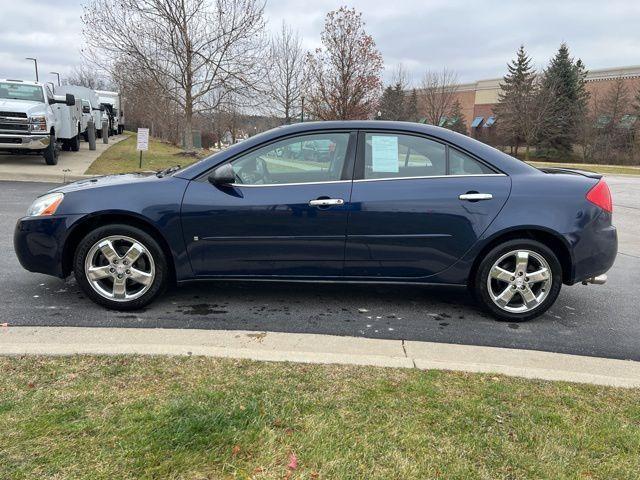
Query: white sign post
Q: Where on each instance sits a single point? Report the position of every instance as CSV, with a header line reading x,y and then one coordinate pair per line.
x,y
143,142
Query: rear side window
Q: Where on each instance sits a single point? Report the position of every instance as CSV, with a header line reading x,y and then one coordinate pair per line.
x,y
388,155
462,164
397,156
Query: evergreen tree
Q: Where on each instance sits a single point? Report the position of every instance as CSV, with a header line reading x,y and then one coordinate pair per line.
x,y
411,108
517,88
457,121
564,80
392,103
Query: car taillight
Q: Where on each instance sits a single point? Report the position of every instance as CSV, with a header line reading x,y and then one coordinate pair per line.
x,y
601,196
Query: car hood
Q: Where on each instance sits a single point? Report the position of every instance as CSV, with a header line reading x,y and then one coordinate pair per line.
x,y
26,106
107,181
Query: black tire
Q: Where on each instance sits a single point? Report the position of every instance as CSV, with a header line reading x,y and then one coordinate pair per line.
x,y
480,284
74,143
158,285
85,136
50,153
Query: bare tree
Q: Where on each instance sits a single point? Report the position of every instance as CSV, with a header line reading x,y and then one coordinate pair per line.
x,y
86,76
344,75
200,51
536,108
285,74
438,94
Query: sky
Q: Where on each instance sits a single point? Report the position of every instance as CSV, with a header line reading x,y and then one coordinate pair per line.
x,y
475,39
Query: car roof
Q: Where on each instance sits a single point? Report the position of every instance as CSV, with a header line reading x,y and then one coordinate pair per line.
x,y
498,159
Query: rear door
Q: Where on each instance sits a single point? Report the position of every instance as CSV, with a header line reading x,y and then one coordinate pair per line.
x,y
417,205
286,215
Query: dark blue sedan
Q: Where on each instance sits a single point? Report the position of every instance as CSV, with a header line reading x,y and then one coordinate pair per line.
x,y
376,202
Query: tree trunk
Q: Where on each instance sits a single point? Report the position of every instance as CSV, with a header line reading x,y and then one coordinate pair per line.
x,y
188,128
526,153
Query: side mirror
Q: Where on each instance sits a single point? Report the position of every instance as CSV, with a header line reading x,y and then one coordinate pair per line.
x,y
70,100
86,109
223,175
102,108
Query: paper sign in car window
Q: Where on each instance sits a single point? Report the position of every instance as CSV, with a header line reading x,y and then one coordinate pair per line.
x,y
384,153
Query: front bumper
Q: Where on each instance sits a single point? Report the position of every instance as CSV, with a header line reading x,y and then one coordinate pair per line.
x,y
39,242
10,141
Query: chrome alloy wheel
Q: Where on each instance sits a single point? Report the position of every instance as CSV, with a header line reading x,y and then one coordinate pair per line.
x,y
519,281
119,268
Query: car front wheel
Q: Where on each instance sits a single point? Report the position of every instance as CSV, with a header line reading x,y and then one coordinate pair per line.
x,y
518,280
120,267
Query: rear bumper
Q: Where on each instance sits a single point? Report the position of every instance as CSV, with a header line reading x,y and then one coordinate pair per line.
x,y
10,141
594,249
39,242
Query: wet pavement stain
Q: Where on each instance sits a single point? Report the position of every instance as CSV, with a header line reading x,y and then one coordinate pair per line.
x,y
202,309
514,326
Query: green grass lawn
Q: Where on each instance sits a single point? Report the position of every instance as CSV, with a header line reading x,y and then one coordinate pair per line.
x,y
123,157
611,169
202,418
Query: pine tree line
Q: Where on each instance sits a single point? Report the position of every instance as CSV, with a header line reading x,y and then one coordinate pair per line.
x,y
553,112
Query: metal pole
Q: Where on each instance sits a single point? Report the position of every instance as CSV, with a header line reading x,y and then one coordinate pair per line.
x,y
35,61
302,114
140,159
91,134
56,73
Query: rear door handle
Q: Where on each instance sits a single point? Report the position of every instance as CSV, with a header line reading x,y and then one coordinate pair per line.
x,y
474,197
326,202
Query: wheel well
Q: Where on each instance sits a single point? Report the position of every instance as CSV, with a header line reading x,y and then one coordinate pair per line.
x,y
91,223
542,236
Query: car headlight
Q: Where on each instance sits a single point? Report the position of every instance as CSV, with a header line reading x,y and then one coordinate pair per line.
x,y
45,205
38,123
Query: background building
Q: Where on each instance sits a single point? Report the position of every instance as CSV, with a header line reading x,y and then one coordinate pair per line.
x,y
478,98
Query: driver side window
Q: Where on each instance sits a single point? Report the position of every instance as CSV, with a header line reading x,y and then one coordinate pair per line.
x,y
301,159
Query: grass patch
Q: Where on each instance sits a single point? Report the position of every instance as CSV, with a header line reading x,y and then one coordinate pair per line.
x,y
611,169
123,157
202,418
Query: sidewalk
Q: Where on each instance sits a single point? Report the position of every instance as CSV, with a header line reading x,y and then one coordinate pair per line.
x,y
309,348
71,165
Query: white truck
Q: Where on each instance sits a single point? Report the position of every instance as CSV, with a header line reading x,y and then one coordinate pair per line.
x,y
34,120
112,102
91,107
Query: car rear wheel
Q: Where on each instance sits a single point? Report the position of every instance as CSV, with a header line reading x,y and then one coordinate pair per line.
x,y
518,280
120,267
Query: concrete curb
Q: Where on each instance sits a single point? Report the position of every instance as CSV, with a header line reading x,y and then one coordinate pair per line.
x,y
326,349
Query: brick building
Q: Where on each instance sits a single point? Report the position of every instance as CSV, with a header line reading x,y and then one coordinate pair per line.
x,y
479,98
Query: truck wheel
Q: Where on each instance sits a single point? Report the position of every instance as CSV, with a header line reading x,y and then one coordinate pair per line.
x,y
51,152
74,143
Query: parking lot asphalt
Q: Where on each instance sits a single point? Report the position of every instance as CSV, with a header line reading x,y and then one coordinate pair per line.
x,y
590,320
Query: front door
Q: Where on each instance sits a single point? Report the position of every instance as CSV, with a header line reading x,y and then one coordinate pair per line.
x,y
286,214
417,206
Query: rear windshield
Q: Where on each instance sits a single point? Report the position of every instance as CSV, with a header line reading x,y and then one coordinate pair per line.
x,y
17,91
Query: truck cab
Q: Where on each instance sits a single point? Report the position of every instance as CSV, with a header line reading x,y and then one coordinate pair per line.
x,y
34,120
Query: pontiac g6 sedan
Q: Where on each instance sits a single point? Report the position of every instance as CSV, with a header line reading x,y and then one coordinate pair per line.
x,y
385,202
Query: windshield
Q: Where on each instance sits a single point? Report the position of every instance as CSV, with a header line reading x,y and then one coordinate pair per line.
x,y
17,91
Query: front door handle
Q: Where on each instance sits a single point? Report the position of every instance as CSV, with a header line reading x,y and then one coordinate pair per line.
x,y
326,202
474,197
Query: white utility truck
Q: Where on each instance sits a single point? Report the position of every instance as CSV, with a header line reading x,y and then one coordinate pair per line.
x,y
112,102
34,120
91,107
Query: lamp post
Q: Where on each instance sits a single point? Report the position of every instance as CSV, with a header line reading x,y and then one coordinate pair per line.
x,y
58,75
35,61
302,113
